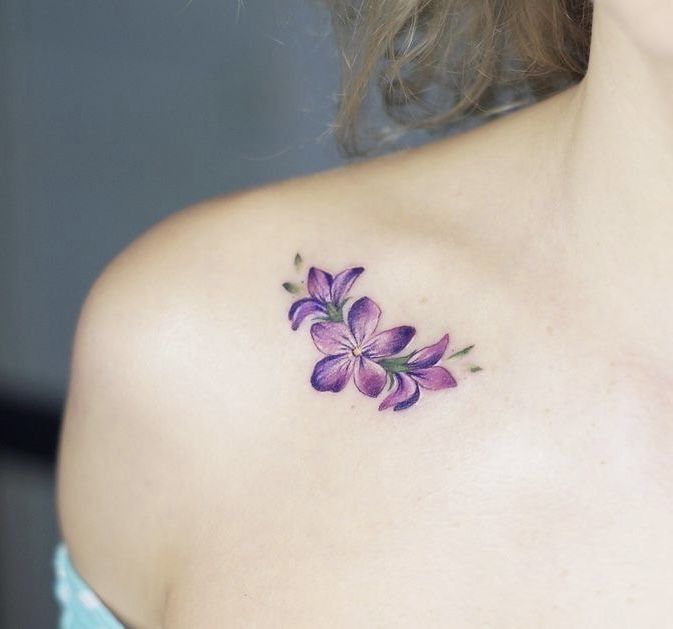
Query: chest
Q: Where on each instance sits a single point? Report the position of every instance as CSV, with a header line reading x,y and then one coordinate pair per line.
x,y
548,509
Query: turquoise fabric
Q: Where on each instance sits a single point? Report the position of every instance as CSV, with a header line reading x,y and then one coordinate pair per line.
x,y
80,606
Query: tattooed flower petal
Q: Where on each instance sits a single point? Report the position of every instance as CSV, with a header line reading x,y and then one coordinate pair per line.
x,y
369,377
405,394
363,317
303,308
352,347
389,342
319,284
332,373
434,378
343,282
332,338
429,355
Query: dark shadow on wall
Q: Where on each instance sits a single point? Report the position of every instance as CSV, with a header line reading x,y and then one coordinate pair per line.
x,y
29,428
28,526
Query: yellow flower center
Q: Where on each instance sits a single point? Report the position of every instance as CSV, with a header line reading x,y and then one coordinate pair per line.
x,y
356,351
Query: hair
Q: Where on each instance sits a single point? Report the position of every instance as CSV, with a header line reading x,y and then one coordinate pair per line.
x,y
437,63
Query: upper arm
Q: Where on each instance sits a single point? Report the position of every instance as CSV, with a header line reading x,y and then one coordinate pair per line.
x,y
144,379
117,457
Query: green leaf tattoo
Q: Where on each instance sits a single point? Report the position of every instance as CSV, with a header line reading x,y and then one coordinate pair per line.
x,y
291,287
462,352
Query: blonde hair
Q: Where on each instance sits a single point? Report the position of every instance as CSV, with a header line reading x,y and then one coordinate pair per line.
x,y
437,62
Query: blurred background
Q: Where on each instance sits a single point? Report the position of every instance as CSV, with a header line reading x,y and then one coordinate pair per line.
x,y
113,114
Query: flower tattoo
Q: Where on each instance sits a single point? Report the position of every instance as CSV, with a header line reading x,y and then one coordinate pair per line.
x,y
419,368
353,347
327,295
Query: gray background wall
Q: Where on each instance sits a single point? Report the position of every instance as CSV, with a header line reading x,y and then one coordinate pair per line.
x,y
117,112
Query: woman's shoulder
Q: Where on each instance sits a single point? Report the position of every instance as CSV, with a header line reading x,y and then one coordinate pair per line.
x,y
189,386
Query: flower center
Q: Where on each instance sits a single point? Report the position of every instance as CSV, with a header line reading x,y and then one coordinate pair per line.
x,y
356,351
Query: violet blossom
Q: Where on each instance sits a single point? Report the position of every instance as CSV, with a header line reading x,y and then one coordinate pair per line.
x,y
327,295
354,349
419,369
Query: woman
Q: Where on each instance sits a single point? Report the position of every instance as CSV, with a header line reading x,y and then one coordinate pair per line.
x,y
457,413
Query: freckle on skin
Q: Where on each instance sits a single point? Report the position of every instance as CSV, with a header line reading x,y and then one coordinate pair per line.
x,y
550,330
424,300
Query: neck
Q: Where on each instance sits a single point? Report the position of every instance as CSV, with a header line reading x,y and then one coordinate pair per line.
x,y
617,183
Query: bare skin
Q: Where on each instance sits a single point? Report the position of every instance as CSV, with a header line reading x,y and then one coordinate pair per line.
x,y
203,483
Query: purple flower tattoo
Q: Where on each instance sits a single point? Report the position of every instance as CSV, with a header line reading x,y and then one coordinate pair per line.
x,y
327,295
419,369
353,347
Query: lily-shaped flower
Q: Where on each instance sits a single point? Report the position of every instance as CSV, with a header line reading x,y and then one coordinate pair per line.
x,y
419,369
327,295
354,348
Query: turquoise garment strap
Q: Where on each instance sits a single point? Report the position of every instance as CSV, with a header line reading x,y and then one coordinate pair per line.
x,y
80,606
